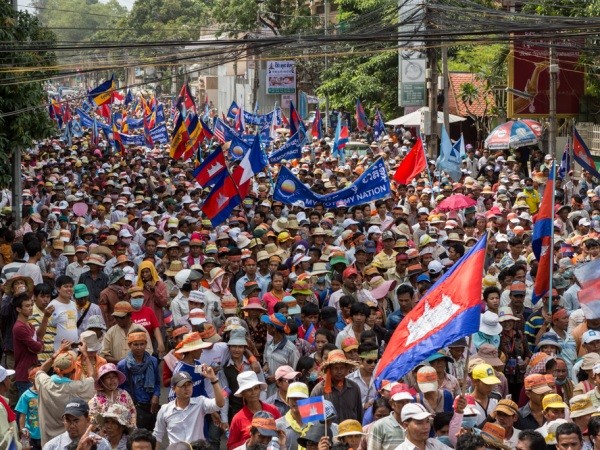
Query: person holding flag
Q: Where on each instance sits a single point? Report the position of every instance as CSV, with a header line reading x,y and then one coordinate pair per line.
x,y
343,393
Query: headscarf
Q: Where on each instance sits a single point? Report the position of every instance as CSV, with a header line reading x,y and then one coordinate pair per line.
x,y
147,265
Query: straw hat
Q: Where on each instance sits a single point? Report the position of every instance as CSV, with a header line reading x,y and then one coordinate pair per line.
x,y
117,412
191,342
349,427
8,286
174,268
337,357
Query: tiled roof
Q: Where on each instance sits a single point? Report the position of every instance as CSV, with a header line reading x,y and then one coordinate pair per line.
x,y
455,103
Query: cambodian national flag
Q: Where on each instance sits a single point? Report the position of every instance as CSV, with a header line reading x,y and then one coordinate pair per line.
x,y
449,311
542,240
312,408
378,126
317,125
588,277
310,334
207,173
361,118
221,201
565,163
294,119
581,154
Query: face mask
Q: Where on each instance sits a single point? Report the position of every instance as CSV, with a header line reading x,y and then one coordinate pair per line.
x,y
529,188
292,337
560,382
596,218
469,421
312,376
444,440
136,303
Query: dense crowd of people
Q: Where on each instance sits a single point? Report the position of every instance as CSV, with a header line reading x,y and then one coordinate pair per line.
x,y
116,288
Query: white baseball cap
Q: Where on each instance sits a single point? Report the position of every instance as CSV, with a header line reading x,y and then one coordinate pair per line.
x,y
5,373
414,411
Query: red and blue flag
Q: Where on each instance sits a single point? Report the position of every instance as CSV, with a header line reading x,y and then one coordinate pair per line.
x,y
581,154
449,311
310,334
378,126
221,201
361,118
317,125
294,119
312,409
342,135
588,277
542,239
207,173
254,161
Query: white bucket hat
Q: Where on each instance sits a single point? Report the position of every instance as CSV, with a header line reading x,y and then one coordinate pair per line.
x,y
489,324
247,380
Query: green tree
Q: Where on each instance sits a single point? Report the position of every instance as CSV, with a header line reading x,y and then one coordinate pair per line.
x,y
18,94
236,17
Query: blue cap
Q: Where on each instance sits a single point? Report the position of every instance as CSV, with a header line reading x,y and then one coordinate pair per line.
x,y
370,246
423,277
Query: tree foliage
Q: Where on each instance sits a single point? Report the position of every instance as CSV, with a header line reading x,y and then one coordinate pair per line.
x,y
237,17
18,131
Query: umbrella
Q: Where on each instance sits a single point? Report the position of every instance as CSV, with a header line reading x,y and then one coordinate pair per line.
x,y
456,202
512,134
414,118
535,126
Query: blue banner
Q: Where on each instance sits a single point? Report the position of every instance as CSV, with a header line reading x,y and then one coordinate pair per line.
x,y
160,113
292,149
76,128
159,134
249,118
449,159
373,184
132,139
135,123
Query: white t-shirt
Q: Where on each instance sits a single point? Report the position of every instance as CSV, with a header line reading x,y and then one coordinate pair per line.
x,y
64,318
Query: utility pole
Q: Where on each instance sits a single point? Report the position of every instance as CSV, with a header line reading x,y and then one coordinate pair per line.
x,y
432,142
326,11
552,116
445,88
16,188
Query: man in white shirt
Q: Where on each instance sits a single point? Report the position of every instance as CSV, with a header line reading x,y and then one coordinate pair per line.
x,y
417,424
183,418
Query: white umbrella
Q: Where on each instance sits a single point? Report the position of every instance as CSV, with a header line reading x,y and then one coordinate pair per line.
x,y
414,118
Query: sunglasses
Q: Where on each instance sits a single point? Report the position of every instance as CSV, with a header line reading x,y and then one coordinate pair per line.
x,y
370,361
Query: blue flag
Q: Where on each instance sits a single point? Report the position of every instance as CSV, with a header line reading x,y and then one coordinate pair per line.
x,y
372,185
76,128
238,148
134,123
68,134
132,139
128,97
86,120
449,159
160,113
292,149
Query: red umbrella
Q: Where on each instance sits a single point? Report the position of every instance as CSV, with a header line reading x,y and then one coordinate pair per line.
x,y
456,202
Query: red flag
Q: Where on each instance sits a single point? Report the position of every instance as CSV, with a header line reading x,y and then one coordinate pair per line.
x,y
412,165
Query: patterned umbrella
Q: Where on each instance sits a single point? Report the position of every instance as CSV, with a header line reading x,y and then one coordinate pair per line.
x,y
513,134
456,202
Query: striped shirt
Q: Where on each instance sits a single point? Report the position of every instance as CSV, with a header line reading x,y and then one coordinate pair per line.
x,y
36,320
386,434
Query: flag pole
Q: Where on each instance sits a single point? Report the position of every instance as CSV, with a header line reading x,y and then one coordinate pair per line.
x,y
551,271
463,382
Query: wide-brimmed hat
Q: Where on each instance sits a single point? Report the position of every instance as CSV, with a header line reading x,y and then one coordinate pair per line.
x,y
349,427
95,259
250,287
247,380
96,321
489,354
108,368
494,434
117,412
319,269
191,342
215,273
380,287
8,286
489,324
581,405
174,268
116,275
337,357
254,303
506,313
